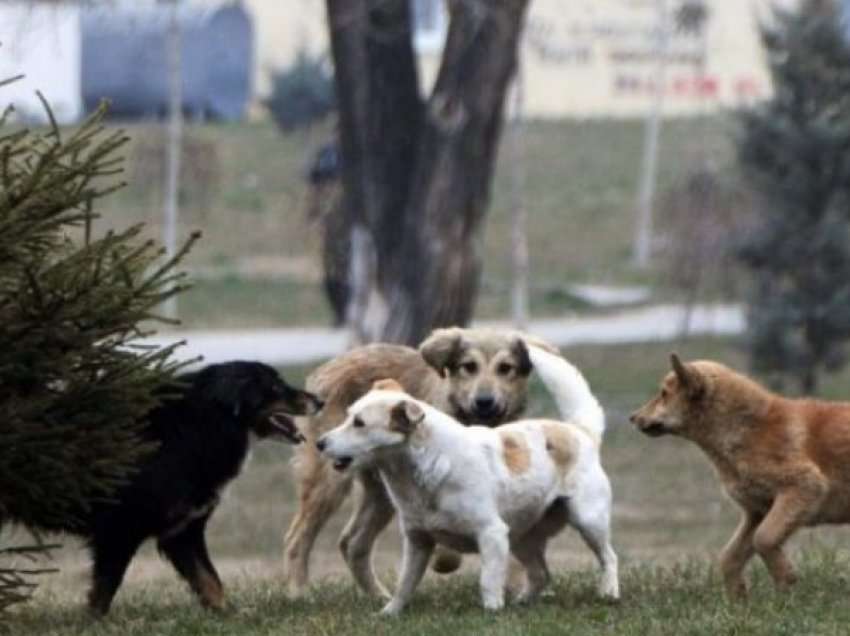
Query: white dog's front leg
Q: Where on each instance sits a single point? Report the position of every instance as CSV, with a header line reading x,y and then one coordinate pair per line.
x,y
494,547
415,555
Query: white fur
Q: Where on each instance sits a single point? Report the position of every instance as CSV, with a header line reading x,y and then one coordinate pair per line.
x,y
451,484
576,403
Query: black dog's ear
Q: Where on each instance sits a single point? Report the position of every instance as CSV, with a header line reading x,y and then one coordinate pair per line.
x,y
520,353
233,390
236,395
442,349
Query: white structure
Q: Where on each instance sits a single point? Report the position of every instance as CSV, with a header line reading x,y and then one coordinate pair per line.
x,y
42,42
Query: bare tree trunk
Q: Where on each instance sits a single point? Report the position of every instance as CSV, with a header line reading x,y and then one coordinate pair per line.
x,y
175,133
417,174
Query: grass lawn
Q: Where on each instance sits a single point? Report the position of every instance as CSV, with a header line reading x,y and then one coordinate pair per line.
x,y
678,601
259,260
670,521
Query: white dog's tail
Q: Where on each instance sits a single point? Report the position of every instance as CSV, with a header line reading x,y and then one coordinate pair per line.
x,y
572,394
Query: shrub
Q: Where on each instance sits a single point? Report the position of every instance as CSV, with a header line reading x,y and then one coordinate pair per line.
x,y
303,93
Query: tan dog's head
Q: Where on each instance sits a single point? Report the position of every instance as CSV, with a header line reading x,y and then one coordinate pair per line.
x,y
486,371
678,404
378,423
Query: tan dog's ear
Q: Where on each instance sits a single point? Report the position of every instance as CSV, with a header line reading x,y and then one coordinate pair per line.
x,y
405,415
387,384
520,353
442,349
689,377
534,341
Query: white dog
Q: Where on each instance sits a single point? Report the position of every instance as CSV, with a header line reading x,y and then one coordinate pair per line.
x,y
497,491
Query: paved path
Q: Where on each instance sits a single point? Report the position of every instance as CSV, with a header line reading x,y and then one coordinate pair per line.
x,y
306,345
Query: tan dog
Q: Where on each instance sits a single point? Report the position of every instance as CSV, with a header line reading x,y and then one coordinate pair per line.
x,y
785,462
478,376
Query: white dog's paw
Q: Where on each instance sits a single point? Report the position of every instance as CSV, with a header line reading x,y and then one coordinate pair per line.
x,y
393,608
493,604
610,590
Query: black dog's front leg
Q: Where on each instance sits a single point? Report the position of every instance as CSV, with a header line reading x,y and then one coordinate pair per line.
x,y
111,554
187,552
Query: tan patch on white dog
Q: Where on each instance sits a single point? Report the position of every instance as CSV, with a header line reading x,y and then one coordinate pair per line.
x,y
515,452
387,384
560,445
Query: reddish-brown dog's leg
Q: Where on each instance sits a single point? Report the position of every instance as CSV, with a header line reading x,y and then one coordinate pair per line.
x,y
790,511
736,555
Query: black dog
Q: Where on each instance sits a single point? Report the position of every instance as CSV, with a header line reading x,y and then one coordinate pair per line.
x,y
203,429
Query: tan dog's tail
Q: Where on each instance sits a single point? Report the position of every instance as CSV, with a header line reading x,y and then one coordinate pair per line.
x,y
576,403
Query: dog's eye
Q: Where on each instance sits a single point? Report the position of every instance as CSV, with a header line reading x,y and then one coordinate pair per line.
x,y
469,367
664,394
504,368
358,423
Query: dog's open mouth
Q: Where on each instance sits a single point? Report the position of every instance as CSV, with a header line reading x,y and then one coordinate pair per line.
x,y
654,429
341,463
281,426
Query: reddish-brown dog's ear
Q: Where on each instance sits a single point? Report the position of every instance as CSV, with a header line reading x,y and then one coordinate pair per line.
x,y
405,415
387,384
442,349
689,377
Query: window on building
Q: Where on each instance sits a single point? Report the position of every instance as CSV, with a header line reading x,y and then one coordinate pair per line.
x,y
429,24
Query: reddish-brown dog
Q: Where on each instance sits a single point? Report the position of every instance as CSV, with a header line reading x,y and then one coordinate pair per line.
x,y
785,462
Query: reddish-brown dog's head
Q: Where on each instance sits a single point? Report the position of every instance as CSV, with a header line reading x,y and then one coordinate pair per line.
x,y
676,405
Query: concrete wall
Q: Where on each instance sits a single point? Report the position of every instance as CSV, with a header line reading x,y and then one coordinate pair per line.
x,y
581,57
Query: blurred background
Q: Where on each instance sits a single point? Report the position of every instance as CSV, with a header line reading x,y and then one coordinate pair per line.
x,y
622,177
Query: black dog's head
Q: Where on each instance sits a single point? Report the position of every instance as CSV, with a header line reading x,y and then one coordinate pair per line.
x,y
256,395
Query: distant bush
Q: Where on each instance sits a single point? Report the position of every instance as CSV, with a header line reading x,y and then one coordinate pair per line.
x,y
303,93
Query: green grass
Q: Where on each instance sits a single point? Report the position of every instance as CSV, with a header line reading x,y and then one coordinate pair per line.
x,y
670,521
678,600
580,197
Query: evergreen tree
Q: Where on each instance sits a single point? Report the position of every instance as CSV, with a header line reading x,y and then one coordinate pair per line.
x,y
74,382
795,150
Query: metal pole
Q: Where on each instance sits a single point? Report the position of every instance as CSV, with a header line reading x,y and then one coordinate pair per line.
x,y
519,216
649,166
174,143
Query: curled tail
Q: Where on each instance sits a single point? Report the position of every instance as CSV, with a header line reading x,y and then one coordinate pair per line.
x,y
571,392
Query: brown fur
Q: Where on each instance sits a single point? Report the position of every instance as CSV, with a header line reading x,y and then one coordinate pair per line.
x,y
560,445
435,374
785,462
515,452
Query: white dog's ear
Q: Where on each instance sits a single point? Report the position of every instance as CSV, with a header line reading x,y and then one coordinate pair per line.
x,y
690,379
405,415
442,349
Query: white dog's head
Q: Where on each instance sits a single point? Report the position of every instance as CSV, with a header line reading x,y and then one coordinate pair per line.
x,y
379,422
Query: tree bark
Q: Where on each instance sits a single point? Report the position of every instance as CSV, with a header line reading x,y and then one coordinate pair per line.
x,y
417,174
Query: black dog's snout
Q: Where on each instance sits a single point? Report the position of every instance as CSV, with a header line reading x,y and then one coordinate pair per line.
x,y
320,444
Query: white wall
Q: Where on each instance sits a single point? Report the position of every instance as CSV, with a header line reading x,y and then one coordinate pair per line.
x,y
43,43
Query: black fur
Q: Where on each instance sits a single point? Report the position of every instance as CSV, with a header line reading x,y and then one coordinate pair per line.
x,y
202,429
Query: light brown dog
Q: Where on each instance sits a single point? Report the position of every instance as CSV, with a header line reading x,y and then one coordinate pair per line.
x,y
478,376
785,462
